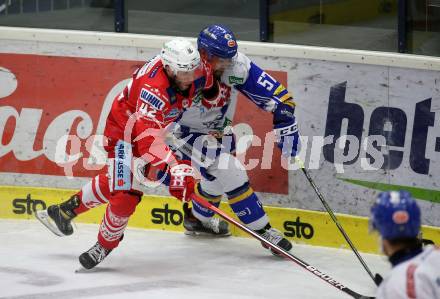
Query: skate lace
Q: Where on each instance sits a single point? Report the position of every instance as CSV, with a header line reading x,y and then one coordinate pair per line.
x,y
98,253
213,223
272,235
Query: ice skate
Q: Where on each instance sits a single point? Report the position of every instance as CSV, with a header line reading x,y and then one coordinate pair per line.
x,y
274,236
214,227
58,218
93,256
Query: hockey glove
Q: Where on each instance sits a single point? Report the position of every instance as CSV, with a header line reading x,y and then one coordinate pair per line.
x,y
182,181
286,129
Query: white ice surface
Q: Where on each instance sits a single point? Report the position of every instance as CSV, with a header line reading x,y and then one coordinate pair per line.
x,y
36,264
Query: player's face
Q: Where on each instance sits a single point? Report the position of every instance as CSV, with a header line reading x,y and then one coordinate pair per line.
x,y
184,80
220,64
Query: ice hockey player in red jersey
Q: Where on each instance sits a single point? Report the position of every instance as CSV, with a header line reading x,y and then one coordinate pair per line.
x,y
153,99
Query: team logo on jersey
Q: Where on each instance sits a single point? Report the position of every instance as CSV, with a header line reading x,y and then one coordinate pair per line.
x,y
172,114
152,99
235,80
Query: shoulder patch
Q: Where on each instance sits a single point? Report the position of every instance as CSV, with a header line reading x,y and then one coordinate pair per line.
x,y
235,80
152,99
154,72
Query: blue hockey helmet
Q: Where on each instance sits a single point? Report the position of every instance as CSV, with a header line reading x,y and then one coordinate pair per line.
x,y
395,215
217,40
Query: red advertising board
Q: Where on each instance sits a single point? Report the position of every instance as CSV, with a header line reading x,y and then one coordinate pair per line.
x,y
65,95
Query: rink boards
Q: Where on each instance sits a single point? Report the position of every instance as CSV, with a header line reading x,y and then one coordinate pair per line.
x,y
165,213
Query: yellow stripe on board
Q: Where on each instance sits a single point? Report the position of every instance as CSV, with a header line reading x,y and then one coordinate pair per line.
x,y
165,213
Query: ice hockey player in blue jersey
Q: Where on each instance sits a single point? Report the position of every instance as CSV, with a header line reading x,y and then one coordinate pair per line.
x,y
204,128
416,270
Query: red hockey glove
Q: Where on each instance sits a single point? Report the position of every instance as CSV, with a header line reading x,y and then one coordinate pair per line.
x,y
182,180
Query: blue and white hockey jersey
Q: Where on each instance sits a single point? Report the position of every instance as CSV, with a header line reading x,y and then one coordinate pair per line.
x,y
242,76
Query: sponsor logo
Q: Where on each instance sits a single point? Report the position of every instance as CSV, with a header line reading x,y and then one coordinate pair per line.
x,y
391,123
202,208
298,229
400,217
244,212
62,137
326,277
152,99
211,35
172,114
154,72
120,164
166,216
27,205
235,80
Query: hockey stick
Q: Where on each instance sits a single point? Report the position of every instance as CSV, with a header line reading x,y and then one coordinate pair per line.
x,y
327,278
376,278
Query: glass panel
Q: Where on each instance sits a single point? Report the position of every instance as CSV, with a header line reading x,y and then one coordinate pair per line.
x,y
59,14
352,24
424,28
188,17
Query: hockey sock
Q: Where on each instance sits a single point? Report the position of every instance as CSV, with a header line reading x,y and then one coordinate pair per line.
x,y
201,213
248,208
93,194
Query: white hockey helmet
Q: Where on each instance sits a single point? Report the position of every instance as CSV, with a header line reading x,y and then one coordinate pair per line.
x,y
180,55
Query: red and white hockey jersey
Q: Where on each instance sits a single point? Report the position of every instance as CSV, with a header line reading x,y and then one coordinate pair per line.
x,y
416,278
146,106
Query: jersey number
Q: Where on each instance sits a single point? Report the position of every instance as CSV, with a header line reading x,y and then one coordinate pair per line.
x,y
148,111
263,81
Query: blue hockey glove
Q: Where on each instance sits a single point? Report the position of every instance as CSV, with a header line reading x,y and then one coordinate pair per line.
x,y
286,129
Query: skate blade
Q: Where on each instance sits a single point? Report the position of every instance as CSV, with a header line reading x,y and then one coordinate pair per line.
x,y
205,235
44,218
273,250
81,269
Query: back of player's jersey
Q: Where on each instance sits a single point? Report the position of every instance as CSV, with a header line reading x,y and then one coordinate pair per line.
x,y
418,278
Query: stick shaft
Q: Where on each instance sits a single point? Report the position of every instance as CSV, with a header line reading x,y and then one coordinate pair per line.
x,y
325,277
335,220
